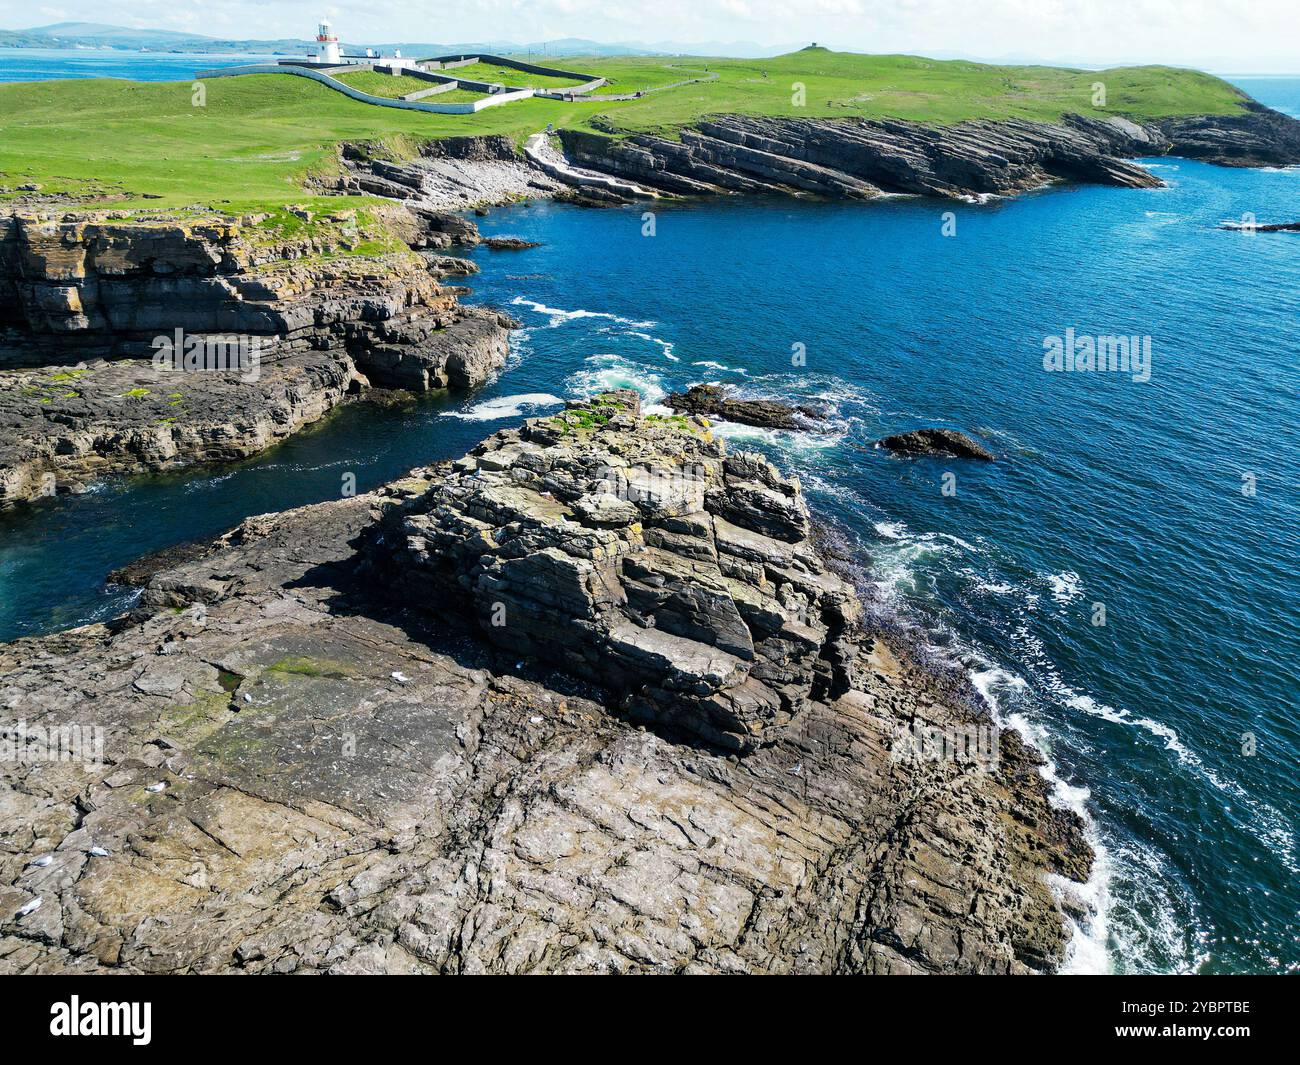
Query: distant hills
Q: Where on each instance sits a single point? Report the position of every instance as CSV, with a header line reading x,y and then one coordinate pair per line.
x,y
99,35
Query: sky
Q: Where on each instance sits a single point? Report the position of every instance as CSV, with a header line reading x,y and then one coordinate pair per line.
x,y
1230,36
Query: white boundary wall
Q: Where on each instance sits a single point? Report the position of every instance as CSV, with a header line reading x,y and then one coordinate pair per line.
x,y
494,100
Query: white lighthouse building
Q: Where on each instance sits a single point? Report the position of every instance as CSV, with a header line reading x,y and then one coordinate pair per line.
x,y
329,44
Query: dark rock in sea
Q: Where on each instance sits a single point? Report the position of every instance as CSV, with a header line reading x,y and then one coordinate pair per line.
x,y
946,443
140,572
711,401
509,243
1262,227
478,722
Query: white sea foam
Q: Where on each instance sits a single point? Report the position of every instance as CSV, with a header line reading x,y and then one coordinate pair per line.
x,y
211,482
789,441
900,561
608,370
1066,587
505,407
709,364
559,316
1086,951
665,346
1270,825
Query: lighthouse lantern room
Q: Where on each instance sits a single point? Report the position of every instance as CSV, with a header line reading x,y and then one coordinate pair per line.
x,y
329,44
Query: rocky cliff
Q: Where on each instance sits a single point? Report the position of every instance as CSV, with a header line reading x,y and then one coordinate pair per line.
x,y
312,759
638,552
1260,137
861,159
297,316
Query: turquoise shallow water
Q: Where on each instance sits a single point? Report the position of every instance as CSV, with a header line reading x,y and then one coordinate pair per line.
x,y
1110,491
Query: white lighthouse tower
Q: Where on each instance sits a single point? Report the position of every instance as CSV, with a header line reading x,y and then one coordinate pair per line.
x,y
329,44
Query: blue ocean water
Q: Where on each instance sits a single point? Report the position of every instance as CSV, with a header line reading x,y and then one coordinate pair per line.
x,y
42,64
1175,727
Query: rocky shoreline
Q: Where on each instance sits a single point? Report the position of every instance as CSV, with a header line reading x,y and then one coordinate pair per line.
x,y
316,759
862,159
713,401
131,346
835,159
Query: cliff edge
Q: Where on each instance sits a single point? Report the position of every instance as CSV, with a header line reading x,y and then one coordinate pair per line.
x,y
134,344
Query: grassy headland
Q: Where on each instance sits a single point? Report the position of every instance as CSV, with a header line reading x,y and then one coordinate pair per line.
x,y
257,138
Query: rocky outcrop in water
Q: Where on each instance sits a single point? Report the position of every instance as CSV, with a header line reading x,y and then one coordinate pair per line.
x,y
1262,227
294,761
712,401
947,443
129,345
638,552
862,159
62,428
509,243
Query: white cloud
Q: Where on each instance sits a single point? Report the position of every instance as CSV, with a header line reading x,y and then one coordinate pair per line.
x,y
1222,34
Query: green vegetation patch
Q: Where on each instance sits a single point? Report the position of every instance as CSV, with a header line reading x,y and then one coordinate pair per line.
x,y
304,666
458,96
390,86
496,74
818,83
189,723
680,422
582,419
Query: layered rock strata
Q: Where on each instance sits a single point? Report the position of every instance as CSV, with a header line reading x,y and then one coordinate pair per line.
x,y
833,158
862,159
131,345
637,551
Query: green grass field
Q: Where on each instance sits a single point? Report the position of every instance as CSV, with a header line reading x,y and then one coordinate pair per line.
x,y
637,75
520,79
393,86
388,86
846,85
256,138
